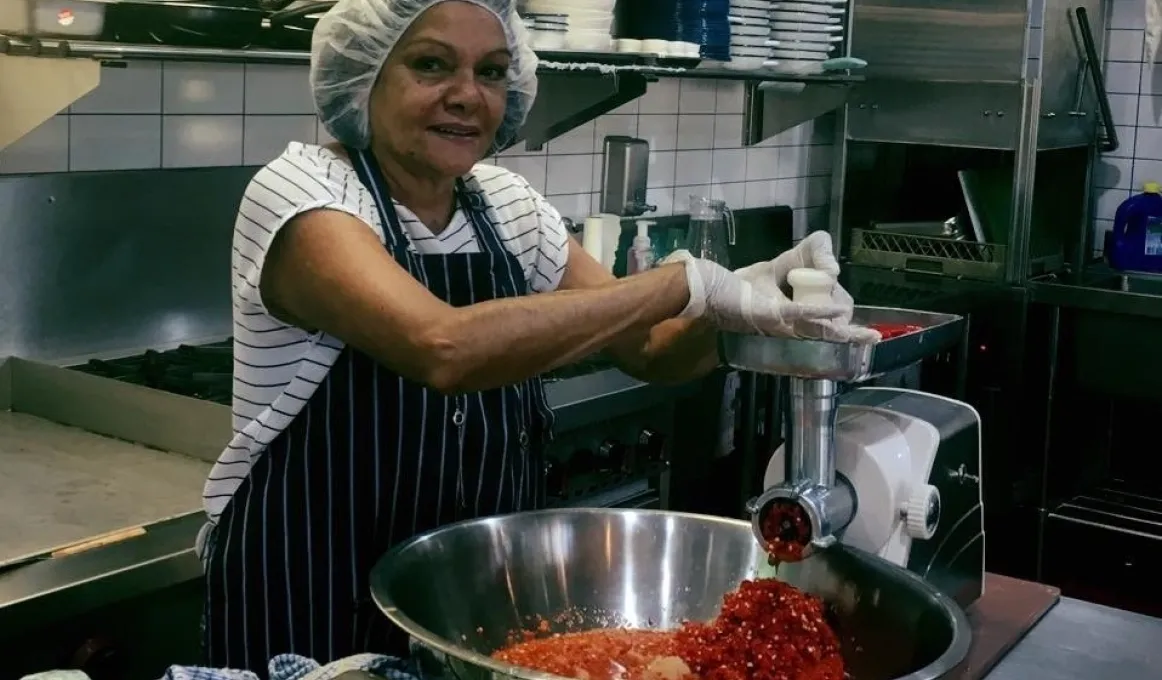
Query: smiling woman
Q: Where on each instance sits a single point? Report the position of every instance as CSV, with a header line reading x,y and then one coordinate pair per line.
x,y
395,302
441,98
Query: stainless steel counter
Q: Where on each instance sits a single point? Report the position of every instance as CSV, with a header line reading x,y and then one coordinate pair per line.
x,y
1083,641
49,591
1104,290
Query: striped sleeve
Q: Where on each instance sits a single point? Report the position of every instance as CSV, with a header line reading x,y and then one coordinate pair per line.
x,y
552,246
303,179
529,227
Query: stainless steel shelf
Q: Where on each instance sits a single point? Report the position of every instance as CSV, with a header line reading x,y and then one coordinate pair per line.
x,y
650,68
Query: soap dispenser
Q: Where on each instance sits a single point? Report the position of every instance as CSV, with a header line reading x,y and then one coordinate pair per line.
x,y
641,253
624,173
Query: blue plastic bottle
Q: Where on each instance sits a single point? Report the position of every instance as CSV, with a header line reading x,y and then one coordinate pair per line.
x,y
1136,241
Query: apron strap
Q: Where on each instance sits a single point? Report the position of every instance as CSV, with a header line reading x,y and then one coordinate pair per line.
x,y
472,203
369,174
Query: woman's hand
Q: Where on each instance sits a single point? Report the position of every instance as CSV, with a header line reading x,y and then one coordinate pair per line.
x,y
735,304
813,252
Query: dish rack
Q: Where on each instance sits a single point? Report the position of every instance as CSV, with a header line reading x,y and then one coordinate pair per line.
x,y
944,256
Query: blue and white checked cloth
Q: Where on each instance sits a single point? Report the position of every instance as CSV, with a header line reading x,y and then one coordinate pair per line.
x,y
294,667
282,667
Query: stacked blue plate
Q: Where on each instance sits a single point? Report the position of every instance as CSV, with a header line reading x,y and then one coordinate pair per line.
x,y
648,20
704,22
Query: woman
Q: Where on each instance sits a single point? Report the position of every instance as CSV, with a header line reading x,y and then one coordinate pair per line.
x,y
394,304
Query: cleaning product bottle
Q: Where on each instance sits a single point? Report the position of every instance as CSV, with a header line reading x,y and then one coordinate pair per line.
x,y
641,253
1136,241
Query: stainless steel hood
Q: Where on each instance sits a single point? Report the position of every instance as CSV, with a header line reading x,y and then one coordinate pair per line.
x,y
973,73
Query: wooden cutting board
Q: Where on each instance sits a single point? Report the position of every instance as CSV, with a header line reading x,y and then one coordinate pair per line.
x,y
1008,609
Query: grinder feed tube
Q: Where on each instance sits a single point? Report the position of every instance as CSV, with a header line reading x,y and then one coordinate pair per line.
x,y
812,430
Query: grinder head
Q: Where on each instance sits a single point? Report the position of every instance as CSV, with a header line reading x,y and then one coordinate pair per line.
x,y
785,530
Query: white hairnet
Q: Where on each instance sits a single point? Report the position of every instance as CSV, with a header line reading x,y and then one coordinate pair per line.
x,y
353,40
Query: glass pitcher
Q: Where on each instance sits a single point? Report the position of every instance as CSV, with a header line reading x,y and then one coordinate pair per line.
x,y
711,230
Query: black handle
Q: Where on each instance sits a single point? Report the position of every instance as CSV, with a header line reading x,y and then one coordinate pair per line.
x,y
286,16
1110,142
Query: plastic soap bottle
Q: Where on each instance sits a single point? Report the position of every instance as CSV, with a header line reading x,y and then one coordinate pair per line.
x,y
1136,241
641,253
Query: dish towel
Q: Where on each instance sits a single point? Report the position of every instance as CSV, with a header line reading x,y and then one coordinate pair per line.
x,y
282,667
295,667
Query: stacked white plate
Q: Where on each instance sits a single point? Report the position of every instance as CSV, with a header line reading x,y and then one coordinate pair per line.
x,y
546,31
589,21
750,34
805,33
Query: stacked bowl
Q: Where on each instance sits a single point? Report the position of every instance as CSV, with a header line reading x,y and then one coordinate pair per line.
x,y
652,27
705,23
804,33
588,21
750,33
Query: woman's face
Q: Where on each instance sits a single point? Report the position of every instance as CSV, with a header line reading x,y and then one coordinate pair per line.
x,y
441,94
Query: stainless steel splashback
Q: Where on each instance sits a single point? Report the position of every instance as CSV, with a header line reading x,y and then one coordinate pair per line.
x,y
974,73
108,262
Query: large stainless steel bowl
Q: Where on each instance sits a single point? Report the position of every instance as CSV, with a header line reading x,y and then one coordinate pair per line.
x,y
460,590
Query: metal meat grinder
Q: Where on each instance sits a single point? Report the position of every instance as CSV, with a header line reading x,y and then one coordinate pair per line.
x,y
892,472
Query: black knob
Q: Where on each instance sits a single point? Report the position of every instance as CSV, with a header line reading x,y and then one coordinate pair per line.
x,y
651,445
555,480
611,456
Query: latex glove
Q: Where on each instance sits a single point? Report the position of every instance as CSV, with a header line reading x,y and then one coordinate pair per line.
x,y
813,252
733,304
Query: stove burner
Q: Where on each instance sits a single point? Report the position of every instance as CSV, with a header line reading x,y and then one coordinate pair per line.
x,y
205,371
202,371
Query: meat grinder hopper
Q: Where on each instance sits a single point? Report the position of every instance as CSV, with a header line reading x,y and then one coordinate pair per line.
x,y
806,511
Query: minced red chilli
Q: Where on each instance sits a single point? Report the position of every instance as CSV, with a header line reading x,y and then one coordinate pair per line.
x,y
767,630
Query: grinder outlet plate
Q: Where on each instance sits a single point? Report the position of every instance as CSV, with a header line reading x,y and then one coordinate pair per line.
x,y
845,362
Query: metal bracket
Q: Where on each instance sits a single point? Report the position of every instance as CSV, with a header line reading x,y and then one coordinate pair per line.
x,y
570,99
772,107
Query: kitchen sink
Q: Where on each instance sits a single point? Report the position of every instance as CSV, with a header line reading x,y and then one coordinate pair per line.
x,y
1145,284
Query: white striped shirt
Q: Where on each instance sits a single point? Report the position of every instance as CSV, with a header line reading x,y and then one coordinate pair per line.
x,y
277,367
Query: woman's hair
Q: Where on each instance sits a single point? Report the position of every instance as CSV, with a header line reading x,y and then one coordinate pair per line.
x,y
353,40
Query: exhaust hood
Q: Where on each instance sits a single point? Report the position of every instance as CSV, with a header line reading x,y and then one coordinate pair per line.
x,y
34,89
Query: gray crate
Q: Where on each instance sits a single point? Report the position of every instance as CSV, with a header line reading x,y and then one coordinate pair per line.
x,y
933,255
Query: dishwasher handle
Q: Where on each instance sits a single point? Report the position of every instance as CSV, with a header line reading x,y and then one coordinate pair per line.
x,y
1109,142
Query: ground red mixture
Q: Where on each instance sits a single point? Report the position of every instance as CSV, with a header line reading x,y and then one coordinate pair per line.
x,y
888,331
767,630
604,654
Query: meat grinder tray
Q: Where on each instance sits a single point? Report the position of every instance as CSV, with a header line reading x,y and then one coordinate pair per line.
x,y
845,362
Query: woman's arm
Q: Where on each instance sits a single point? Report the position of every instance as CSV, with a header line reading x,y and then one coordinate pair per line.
x,y
327,271
670,351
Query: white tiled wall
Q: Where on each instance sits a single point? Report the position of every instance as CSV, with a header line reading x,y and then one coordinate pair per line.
x,y
173,115
1134,82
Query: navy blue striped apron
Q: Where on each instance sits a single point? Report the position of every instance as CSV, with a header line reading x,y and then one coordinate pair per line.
x,y
372,459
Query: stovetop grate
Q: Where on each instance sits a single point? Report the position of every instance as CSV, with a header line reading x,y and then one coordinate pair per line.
x,y
199,371
205,371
